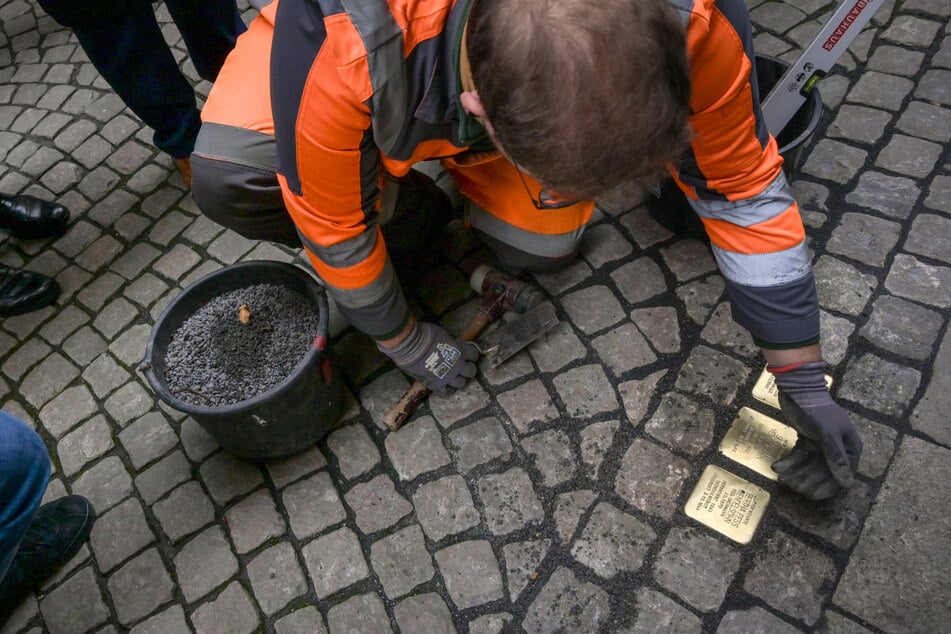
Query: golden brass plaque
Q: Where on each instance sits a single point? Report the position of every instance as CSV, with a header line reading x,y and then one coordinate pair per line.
x,y
766,391
727,503
757,441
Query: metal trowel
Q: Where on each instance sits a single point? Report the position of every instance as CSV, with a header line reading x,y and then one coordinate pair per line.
x,y
518,333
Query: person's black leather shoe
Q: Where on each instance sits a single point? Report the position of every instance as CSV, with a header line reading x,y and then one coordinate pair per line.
x,y
24,291
57,532
28,217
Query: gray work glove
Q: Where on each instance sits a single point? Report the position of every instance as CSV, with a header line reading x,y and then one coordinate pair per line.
x,y
829,447
434,357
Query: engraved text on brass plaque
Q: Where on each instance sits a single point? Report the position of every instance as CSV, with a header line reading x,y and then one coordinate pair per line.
x,y
727,503
757,441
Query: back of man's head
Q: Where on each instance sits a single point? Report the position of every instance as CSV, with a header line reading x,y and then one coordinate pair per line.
x,y
584,95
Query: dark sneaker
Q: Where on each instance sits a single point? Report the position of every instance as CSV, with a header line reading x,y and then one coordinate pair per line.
x,y
24,291
29,217
57,532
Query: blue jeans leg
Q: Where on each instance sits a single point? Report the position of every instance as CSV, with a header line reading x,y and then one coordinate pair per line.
x,y
24,474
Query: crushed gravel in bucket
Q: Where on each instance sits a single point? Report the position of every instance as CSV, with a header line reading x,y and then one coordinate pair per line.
x,y
214,359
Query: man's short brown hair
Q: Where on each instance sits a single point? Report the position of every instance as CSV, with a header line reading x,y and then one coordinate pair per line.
x,y
584,95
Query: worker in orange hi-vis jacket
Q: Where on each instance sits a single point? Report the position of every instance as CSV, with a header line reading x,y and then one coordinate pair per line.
x,y
534,108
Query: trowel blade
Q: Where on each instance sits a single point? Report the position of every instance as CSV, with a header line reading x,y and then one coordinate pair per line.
x,y
521,331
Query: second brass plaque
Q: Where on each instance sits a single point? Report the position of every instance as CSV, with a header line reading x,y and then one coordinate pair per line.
x,y
765,389
757,441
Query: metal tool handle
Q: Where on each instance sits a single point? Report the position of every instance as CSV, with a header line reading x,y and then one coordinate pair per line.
x,y
417,392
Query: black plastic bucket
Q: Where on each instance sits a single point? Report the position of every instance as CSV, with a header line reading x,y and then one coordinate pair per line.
x,y
286,419
671,208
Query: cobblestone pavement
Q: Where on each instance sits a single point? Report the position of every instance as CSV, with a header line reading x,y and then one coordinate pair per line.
x,y
549,494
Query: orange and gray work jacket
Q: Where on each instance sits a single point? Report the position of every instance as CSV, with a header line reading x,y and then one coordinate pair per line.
x,y
363,87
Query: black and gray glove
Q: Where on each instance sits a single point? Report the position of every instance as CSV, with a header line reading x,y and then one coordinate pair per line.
x,y
829,447
434,357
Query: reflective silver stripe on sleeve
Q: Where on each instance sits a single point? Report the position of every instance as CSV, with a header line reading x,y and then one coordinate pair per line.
x,y
764,269
383,39
769,203
237,145
541,244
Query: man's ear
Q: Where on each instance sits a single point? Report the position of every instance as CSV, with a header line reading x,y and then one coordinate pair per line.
x,y
472,104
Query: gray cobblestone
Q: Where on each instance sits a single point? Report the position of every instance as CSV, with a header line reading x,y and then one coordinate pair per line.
x,y
479,443
204,563
880,90
253,521
140,586
62,325
105,484
471,573
522,560
913,279
164,475
586,391
912,31
892,195
926,121
879,384
681,423
712,374
909,156
376,504
902,327
147,438
119,534
306,619
312,505
186,510
723,331
660,325
283,471
170,620
401,561
228,477
103,374
578,306
276,578
528,405
567,604
754,620
842,287
335,561
623,348
641,480
559,347
834,161
66,410
930,415
129,402
356,454
232,612
596,441
444,507
896,60
451,409
174,264
656,613
688,259
792,577
569,508
198,443
929,237
363,613
933,87
697,567
417,449
612,542
553,456
637,394
837,520
864,238
424,613
77,602
859,123
509,501
47,379
83,445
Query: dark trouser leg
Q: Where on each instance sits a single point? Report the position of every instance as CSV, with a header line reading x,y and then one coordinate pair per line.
x,y
210,29
234,183
125,44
